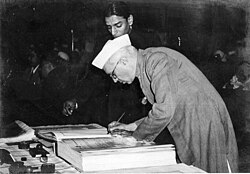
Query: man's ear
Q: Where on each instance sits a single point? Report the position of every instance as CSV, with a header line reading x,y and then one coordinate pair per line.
x,y
130,20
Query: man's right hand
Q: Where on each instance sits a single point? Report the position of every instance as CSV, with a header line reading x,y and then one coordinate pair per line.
x,y
120,126
69,106
115,125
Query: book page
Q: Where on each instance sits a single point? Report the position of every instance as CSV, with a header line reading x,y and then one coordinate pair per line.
x,y
81,133
23,133
57,133
90,143
109,144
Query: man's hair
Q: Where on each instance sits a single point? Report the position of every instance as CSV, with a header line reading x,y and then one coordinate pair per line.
x,y
118,8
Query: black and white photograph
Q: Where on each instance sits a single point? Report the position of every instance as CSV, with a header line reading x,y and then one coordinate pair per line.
x,y
124,86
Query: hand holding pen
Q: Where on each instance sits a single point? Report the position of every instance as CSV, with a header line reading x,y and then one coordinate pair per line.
x,y
115,124
117,128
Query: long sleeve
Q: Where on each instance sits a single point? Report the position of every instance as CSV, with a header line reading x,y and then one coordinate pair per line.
x,y
161,71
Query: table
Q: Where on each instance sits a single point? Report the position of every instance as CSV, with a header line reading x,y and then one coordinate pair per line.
x,y
62,166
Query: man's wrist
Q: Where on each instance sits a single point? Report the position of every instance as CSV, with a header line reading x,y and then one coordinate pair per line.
x,y
132,127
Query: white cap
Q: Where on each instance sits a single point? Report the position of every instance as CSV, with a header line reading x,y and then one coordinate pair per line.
x,y
109,49
63,55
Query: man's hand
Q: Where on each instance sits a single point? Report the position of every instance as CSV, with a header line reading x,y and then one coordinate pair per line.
x,y
115,125
69,106
121,132
121,129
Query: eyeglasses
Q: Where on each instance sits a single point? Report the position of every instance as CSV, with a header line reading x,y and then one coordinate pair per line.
x,y
112,75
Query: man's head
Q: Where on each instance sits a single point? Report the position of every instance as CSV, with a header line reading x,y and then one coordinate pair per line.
x,y
118,19
121,66
47,67
118,59
34,59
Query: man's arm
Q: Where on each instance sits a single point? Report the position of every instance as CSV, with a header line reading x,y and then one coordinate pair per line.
x,y
162,71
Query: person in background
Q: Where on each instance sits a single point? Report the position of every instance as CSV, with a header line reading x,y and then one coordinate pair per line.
x,y
218,69
116,98
32,73
90,93
26,85
238,102
124,98
86,54
183,101
59,83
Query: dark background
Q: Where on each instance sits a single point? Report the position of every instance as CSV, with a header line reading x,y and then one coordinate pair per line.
x,y
195,28
203,26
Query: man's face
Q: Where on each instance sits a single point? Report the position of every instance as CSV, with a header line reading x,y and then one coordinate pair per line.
x,y
124,69
46,68
33,58
117,25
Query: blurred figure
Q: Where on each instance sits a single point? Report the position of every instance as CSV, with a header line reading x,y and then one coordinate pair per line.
x,y
32,73
63,58
81,59
58,82
58,85
238,101
87,53
219,68
26,85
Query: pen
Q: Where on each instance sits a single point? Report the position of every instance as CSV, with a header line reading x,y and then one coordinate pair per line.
x,y
120,117
116,121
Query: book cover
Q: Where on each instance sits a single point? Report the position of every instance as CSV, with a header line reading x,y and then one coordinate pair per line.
x,y
100,154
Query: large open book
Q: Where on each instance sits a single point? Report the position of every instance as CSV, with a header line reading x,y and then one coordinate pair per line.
x,y
60,132
90,148
100,154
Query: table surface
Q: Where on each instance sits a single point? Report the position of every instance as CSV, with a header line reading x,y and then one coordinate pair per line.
x,y
62,166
